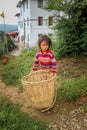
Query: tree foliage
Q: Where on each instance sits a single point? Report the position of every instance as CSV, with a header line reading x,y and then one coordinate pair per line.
x,y
1,43
6,43
70,26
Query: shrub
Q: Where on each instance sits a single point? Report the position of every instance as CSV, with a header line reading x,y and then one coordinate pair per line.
x,y
6,44
71,26
9,44
72,89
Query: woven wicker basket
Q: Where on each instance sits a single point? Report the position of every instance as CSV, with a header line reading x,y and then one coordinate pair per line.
x,y
40,89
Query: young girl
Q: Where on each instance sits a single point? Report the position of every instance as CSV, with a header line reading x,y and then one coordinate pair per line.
x,y
45,57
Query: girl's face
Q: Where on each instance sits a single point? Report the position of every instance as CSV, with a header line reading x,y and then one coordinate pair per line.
x,y
44,46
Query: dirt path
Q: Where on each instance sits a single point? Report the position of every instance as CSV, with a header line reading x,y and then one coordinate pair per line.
x,y
63,116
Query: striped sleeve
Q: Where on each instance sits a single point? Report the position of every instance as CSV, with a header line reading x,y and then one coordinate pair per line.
x,y
54,64
36,62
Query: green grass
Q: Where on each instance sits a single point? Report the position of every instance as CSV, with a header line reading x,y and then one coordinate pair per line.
x,y
12,72
85,108
72,89
13,119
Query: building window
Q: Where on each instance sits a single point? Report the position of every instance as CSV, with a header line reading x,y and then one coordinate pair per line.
x,y
28,37
50,22
40,3
40,20
27,21
27,4
24,6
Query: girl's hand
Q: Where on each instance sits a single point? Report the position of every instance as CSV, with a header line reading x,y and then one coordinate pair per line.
x,y
51,74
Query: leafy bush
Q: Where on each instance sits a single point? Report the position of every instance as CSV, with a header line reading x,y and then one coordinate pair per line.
x,y
71,26
1,49
85,108
6,43
71,89
13,119
10,44
2,42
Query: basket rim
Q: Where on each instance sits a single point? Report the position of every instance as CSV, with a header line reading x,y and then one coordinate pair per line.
x,y
38,81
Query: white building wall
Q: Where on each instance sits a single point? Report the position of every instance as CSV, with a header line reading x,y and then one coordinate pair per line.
x,y
27,22
20,27
31,29
23,24
34,28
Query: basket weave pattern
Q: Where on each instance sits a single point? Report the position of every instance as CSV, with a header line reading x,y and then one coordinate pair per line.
x,y
40,88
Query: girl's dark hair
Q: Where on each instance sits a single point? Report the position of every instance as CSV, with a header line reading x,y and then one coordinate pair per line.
x,y
44,38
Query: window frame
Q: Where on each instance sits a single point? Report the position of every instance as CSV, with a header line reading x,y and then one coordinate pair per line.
x,y
50,20
40,21
40,3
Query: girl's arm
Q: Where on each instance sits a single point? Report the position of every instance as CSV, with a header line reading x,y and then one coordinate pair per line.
x,y
54,66
36,62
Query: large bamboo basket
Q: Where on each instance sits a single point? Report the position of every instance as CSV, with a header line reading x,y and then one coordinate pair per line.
x,y
40,89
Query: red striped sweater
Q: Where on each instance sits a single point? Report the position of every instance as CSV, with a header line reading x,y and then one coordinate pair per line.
x,y
46,61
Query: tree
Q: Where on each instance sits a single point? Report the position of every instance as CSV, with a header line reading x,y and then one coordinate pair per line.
x,y
70,27
6,43
2,43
